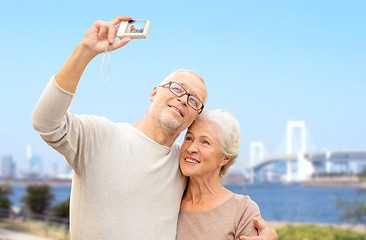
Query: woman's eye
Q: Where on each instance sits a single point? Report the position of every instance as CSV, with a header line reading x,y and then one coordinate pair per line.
x,y
188,139
206,143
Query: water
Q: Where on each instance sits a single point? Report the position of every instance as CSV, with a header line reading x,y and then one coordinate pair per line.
x,y
277,202
60,192
295,203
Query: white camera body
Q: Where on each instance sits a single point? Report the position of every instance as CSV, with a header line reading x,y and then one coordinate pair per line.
x,y
136,29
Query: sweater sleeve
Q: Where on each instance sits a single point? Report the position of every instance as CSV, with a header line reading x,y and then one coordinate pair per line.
x,y
249,209
55,125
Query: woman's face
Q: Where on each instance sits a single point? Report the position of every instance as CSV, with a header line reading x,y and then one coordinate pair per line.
x,y
201,154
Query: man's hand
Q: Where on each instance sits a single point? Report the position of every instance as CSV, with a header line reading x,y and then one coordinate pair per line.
x,y
101,36
264,232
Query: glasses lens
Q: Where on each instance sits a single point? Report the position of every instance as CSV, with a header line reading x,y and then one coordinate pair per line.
x,y
194,102
177,89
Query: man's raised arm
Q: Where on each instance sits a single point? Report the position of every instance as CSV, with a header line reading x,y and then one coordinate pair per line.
x,y
99,38
54,103
50,118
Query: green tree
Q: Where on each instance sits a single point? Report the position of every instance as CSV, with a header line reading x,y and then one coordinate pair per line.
x,y
62,209
353,211
5,191
38,198
362,175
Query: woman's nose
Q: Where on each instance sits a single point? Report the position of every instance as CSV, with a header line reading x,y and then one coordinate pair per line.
x,y
192,148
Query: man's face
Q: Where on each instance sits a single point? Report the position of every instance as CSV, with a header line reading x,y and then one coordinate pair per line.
x,y
171,112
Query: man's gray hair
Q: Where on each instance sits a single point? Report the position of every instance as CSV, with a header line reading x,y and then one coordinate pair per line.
x,y
182,71
229,134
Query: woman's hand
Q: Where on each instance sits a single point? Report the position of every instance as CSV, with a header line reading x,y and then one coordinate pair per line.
x,y
101,37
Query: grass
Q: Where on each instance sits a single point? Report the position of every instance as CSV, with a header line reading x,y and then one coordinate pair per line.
x,y
316,232
286,232
37,228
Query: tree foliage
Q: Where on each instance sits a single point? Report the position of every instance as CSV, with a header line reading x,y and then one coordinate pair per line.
x,y
5,191
352,211
362,175
38,198
62,209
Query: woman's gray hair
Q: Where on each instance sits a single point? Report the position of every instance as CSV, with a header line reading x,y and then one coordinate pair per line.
x,y
229,134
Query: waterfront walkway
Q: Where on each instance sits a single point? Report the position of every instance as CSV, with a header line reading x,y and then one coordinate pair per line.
x,y
11,235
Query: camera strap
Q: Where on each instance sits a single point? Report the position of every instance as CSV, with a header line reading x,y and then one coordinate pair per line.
x,y
109,69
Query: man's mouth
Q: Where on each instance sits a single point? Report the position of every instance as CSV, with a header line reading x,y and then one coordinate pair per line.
x,y
177,110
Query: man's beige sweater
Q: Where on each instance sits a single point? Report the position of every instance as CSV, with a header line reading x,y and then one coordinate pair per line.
x,y
125,185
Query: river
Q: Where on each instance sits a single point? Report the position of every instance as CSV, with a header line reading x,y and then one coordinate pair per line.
x,y
277,202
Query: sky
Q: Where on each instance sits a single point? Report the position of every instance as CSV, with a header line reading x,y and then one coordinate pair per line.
x,y
267,62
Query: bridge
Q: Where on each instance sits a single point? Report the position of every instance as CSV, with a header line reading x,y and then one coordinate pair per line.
x,y
298,164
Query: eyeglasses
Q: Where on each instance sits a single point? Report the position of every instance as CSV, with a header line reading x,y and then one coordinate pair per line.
x,y
179,91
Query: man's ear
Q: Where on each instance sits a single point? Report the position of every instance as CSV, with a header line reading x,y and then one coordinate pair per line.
x,y
153,94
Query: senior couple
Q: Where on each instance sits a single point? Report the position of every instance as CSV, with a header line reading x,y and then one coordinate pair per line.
x,y
130,180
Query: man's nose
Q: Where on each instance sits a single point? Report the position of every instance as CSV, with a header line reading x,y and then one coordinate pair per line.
x,y
183,99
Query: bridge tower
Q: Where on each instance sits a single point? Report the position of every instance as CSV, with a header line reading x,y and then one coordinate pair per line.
x,y
304,167
291,125
256,154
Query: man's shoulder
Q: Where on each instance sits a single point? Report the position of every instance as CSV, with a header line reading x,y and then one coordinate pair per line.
x,y
96,119
176,147
96,122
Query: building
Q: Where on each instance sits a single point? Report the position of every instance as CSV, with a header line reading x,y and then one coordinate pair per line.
x,y
8,167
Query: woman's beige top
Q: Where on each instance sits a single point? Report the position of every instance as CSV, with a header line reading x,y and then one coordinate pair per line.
x,y
230,220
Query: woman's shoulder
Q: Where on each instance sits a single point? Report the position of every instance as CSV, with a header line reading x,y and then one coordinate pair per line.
x,y
245,203
243,199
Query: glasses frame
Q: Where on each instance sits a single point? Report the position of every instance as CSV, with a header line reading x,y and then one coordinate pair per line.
x,y
169,84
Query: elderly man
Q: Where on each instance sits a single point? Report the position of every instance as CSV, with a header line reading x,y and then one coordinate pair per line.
x,y
126,179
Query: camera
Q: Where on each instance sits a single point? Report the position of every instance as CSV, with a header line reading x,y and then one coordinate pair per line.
x,y
136,29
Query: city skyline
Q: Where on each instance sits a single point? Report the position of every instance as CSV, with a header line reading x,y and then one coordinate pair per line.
x,y
283,60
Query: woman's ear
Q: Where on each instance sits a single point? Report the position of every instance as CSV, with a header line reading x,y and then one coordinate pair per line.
x,y
153,94
224,161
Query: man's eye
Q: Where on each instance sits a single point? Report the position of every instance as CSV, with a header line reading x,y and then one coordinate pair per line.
x,y
176,89
194,101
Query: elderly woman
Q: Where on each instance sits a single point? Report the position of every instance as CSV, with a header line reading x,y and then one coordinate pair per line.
x,y
209,210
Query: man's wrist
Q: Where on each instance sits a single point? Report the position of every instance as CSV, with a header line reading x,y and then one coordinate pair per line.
x,y
85,52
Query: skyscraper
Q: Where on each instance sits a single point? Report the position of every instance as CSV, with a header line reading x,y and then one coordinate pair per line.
x,y
7,167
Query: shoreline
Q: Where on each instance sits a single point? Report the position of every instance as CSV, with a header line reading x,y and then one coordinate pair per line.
x,y
335,183
36,181
317,182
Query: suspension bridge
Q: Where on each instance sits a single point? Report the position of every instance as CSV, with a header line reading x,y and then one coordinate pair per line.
x,y
298,163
